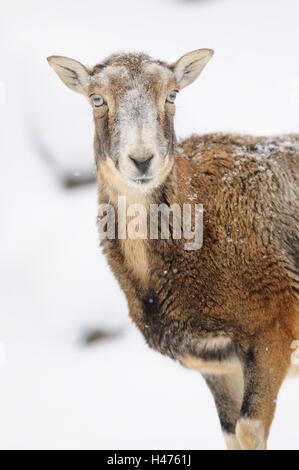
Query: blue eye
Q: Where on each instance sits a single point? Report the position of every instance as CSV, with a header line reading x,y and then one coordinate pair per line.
x,y
97,100
172,96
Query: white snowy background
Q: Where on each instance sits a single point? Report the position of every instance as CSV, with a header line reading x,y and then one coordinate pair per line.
x,y
56,391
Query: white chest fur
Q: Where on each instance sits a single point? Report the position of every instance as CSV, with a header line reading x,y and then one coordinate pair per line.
x,y
205,362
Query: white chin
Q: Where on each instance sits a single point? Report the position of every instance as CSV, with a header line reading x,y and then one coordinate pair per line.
x,y
143,184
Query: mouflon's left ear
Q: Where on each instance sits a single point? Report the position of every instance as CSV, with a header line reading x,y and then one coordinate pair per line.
x,y
190,65
73,74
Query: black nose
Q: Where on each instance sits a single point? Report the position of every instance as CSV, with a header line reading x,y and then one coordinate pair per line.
x,y
142,165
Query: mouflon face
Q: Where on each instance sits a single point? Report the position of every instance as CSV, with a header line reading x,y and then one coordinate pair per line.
x,y
132,96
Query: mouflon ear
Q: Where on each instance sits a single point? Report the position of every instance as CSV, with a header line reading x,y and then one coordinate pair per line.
x,y
190,65
73,74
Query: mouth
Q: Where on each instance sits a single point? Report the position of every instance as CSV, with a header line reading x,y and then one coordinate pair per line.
x,y
142,180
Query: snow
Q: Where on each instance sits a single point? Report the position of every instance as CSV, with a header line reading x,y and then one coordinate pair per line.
x,y
57,391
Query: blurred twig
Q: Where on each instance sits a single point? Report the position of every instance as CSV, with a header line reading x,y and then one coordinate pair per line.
x,y
68,179
99,335
75,179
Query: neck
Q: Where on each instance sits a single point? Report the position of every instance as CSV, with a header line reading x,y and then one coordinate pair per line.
x,y
112,190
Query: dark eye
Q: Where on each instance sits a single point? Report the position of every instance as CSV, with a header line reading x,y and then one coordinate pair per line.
x,y
97,100
172,96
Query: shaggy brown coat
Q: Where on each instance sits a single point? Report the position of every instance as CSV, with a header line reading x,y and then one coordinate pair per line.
x,y
244,282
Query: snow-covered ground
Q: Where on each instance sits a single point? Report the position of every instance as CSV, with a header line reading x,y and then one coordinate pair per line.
x,y
56,391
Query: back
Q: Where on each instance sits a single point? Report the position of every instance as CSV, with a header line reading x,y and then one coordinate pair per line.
x,y
249,190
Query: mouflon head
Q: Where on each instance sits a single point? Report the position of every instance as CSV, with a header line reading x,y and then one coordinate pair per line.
x,y
133,101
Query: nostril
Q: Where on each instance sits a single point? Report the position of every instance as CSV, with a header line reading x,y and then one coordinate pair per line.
x,y
142,165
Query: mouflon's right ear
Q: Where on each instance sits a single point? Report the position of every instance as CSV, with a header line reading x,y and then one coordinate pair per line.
x,y
73,74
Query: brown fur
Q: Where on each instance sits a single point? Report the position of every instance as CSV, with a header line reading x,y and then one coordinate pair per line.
x,y
242,283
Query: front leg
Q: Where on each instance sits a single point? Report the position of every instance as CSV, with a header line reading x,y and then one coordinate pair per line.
x,y
227,390
265,365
